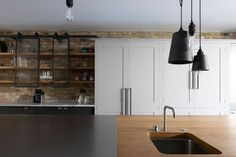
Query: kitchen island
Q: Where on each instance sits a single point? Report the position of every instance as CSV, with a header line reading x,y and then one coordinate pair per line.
x,y
57,136
133,139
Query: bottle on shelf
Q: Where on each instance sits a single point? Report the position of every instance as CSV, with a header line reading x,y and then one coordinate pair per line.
x,y
3,46
11,48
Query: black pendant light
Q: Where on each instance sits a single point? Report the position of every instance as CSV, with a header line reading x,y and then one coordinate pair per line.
x,y
180,52
200,62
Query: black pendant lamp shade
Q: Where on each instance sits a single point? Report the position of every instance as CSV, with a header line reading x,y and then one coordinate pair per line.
x,y
200,62
180,52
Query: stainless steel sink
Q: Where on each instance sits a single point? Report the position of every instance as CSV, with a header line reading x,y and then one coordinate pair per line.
x,y
181,143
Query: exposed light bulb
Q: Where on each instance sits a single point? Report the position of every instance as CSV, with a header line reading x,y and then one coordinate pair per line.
x,y
69,15
192,42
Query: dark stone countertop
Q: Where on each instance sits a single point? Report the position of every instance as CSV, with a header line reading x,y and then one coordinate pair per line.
x,y
57,136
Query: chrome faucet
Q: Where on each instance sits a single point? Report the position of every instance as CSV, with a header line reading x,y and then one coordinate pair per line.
x,y
165,122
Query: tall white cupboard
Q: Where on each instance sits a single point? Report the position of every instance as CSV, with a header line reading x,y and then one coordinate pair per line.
x,y
140,67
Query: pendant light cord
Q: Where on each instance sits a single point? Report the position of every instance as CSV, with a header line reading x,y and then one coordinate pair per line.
x,y
191,10
200,24
181,11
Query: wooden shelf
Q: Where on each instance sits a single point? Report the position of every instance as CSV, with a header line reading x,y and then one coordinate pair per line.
x,y
45,68
60,68
6,82
82,54
82,68
26,82
48,57
26,68
82,82
7,54
60,82
27,53
45,53
60,54
45,81
7,68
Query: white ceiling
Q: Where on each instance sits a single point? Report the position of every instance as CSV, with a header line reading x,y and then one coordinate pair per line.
x,y
115,15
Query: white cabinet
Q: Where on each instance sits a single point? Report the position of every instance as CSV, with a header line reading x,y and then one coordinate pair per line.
x,y
142,75
126,64
109,74
176,84
210,98
142,65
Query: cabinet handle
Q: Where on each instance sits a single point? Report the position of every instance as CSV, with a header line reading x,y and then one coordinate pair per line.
x,y
198,80
123,107
65,108
190,80
195,80
26,108
59,108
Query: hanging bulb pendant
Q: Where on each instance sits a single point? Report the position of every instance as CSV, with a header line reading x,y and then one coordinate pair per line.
x,y
69,15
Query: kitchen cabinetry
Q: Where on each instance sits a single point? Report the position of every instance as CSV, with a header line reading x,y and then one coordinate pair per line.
x,y
7,61
176,84
122,64
27,61
61,61
142,66
58,61
46,110
111,69
210,95
82,59
143,70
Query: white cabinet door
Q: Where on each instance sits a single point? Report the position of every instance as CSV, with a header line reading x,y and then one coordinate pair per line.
x,y
176,84
143,71
109,75
210,98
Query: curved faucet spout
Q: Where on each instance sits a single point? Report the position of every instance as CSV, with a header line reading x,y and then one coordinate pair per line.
x,y
165,122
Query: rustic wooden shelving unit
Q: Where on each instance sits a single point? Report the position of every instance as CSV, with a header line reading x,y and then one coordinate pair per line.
x,y
68,59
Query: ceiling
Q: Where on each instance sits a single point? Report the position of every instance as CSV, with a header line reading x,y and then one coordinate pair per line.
x,y
115,15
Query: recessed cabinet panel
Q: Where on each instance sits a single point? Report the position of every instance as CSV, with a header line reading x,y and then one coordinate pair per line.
x,y
142,80
27,63
109,78
176,84
210,98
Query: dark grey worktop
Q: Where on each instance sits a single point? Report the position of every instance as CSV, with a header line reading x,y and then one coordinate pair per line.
x,y
57,136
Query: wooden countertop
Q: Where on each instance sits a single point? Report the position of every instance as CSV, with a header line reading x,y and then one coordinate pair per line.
x,y
218,131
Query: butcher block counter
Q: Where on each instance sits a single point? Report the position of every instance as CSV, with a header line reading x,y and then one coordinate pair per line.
x,y
133,139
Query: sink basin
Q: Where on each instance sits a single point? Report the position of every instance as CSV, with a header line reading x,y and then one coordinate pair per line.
x,y
180,143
